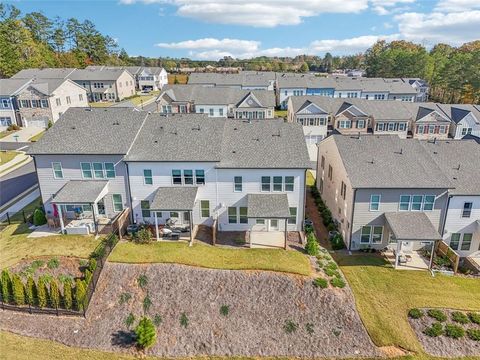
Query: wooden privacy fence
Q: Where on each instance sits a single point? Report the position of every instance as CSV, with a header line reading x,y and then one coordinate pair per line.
x,y
444,250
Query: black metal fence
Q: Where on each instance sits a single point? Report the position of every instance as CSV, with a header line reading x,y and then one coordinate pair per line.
x,y
20,217
100,254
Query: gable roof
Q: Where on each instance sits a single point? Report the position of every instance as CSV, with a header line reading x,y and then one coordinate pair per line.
x,y
12,86
104,74
243,78
46,73
91,131
457,112
387,161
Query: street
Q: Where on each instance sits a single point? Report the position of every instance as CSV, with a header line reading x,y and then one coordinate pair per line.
x,y
16,182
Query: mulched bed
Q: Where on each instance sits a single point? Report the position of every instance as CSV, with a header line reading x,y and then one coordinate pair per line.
x,y
67,266
442,345
260,305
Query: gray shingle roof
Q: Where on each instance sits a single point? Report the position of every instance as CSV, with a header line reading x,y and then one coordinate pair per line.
x,y
11,86
80,191
180,198
460,162
134,70
457,112
202,95
413,226
244,78
47,73
387,161
91,131
267,206
92,75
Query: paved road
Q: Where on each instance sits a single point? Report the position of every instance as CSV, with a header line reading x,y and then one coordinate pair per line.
x,y
16,182
4,145
150,107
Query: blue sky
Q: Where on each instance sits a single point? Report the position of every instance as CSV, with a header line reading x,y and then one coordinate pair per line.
x,y
203,29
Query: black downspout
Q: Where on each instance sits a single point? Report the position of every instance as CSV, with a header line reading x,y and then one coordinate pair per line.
x,y
445,217
351,220
38,180
129,193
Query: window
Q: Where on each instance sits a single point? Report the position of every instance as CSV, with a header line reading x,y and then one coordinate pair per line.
x,y
205,208
265,183
361,124
147,177
343,190
375,202
232,215
57,170
200,177
365,238
220,111
86,170
110,170
80,97
467,210
69,101
429,202
5,103
243,215
455,241
330,172
292,220
58,101
289,183
417,202
260,221
322,163
466,242
25,103
211,112
117,202
35,103
44,103
188,177
98,170
277,183
237,183
177,177
377,234
404,203
202,111
344,124
145,205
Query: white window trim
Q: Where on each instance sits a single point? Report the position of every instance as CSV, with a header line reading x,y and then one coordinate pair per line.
x,y
145,177
433,204
91,170
379,201
409,202
421,203
53,169
181,177
270,184
113,203
234,184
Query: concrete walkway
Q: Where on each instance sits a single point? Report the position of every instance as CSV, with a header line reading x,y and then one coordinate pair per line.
x,y
22,135
20,159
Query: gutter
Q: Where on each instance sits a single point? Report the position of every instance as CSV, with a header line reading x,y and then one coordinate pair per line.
x,y
445,216
129,192
351,220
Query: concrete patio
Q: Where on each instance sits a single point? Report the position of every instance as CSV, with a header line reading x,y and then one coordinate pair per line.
x,y
267,239
414,261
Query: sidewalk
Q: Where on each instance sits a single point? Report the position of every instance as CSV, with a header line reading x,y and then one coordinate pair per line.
x,y
22,135
19,160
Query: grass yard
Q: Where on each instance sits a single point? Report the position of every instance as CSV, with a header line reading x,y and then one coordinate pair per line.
x,y
212,257
37,137
100,104
15,245
137,100
6,133
310,178
181,78
384,296
6,156
281,113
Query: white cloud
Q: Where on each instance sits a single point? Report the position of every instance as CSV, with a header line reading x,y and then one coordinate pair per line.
x,y
452,28
349,46
214,44
386,7
457,5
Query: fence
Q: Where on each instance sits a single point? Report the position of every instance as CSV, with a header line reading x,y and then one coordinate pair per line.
x,y
20,217
100,254
444,250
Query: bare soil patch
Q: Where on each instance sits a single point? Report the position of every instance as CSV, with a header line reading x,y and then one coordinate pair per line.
x,y
260,306
69,266
442,345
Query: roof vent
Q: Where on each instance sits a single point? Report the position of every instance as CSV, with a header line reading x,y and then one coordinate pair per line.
x,y
372,161
278,134
235,128
256,139
458,167
116,122
73,128
88,109
155,141
234,152
196,128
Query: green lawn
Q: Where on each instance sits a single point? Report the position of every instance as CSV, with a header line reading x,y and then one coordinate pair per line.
x,y
281,113
6,133
139,99
384,296
37,137
214,257
6,156
100,104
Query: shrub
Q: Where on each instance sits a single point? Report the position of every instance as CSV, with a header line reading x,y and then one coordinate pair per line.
x,y
146,333
337,242
67,294
332,265
54,294
327,216
474,334
143,236
47,278
330,272
460,317
80,294
41,292
184,320
39,217
290,326
338,282
224,310
36,264
437,314
83,263
474,317
92,265
435,330
142,281
309,328
129,320
62,278
124,298
157,320
13,127
30,291
53,263
18,290
146,304
415,313
312,247
99,251
320,282
6,284
88,276
331,227
454,331
308,229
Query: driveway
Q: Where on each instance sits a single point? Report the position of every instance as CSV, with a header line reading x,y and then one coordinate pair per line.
x,y
269,314
22,135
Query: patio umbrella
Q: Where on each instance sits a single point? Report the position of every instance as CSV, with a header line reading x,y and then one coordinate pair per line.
x,y
55,210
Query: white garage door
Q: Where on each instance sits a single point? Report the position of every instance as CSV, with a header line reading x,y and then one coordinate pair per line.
x,y
40,123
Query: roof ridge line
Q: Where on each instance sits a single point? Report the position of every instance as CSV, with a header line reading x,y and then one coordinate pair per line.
x,y
136,135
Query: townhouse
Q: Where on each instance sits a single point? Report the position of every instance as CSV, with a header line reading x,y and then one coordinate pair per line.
x,y
217,101
402,195
321,116
247,80
8,89
101,84
146,78
465,119
38,101
237,176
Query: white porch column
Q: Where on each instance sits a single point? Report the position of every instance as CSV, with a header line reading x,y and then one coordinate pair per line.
x,y
156,226
431,255
397,253
60,215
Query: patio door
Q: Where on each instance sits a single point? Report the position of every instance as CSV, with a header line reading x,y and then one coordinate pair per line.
x,y
174,217
273,225
186,218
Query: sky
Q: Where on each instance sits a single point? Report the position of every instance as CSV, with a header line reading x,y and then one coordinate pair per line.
x,y
209,30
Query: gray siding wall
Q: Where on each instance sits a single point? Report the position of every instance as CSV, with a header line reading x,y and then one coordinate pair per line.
x,y
71,171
